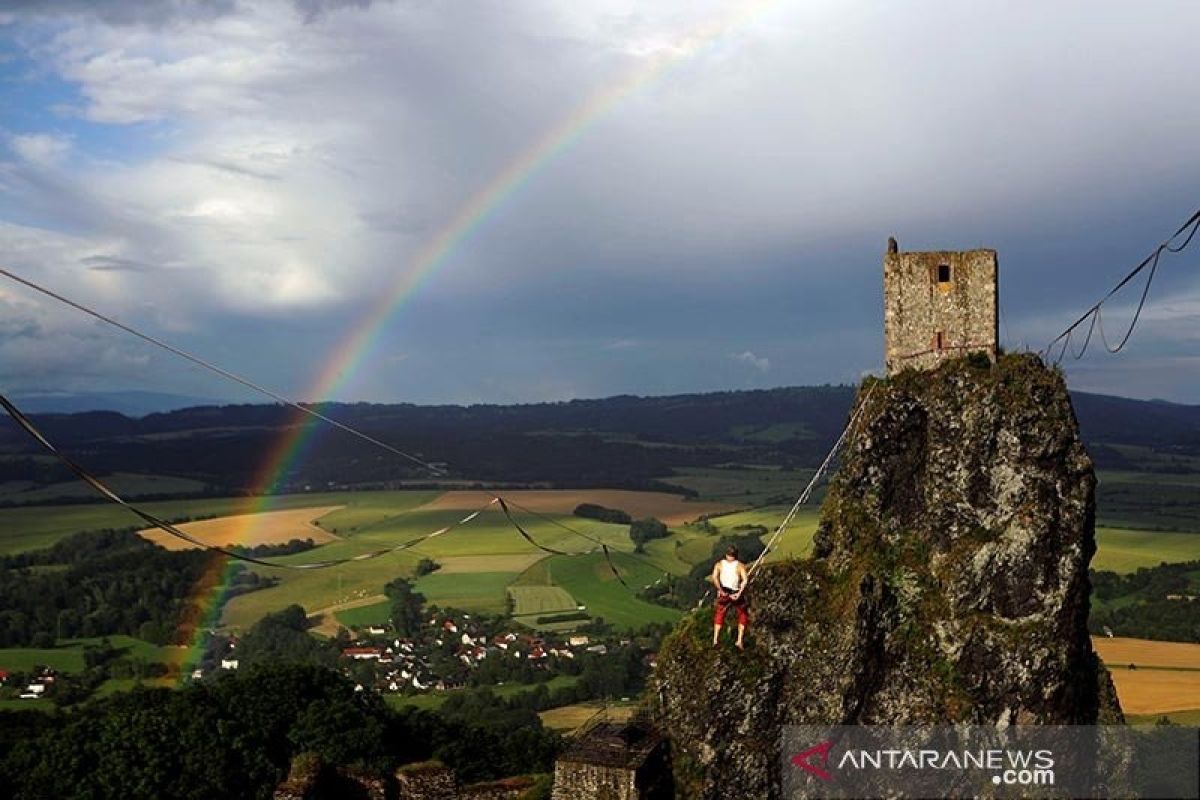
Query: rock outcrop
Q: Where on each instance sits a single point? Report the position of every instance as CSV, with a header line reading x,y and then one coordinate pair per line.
x,y
948,584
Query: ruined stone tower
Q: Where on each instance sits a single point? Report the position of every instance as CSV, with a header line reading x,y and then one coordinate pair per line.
x,y
938,304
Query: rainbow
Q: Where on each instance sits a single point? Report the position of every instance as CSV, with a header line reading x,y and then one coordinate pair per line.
x,y
358,345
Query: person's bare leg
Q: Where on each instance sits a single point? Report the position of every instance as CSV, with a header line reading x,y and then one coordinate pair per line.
x,y
716,634
741,636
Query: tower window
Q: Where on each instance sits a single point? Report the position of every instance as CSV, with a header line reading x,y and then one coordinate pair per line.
x,y
939,341
943,273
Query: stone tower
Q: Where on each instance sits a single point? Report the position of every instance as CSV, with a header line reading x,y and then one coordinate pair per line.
x,y
614,761
937,305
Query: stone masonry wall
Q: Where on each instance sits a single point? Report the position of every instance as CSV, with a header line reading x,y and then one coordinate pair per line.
x,y
917,306
574,781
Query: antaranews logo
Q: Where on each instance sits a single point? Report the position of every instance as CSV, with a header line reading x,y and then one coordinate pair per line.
x,y
1010,767
944,761
805,760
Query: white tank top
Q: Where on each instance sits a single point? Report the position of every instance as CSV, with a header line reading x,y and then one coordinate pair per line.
x,y
729,575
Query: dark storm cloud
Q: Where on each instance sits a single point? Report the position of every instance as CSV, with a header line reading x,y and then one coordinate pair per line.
x,y
721,225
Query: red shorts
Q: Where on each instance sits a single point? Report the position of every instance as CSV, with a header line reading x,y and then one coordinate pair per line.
x,y
724,601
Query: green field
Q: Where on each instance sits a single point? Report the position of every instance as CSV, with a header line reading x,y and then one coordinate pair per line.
x,y
433,700
480,558
68,656
486,561
126,484
1123,550
1160,501
741,486
533,600
481,591
365,616
590,581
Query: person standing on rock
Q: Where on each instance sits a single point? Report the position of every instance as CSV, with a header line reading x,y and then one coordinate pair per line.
x,y
729,578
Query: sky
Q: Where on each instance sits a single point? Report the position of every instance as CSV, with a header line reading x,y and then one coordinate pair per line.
x,y
619,197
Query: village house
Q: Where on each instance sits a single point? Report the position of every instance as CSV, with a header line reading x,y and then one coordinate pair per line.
x,y
362,653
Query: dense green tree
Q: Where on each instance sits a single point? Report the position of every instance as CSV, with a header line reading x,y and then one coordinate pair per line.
x,y
644,530
407,606
282,637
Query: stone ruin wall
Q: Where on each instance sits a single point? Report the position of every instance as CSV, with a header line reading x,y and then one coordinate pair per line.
x,y
575,781
917,306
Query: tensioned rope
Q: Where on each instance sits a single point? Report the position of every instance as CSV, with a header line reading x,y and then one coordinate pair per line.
x,y
287,401
1093,316
228,374
24,422
601,544
172,530
807,493
800,501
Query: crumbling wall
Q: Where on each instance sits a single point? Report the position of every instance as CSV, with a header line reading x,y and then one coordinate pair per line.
x,y
927,321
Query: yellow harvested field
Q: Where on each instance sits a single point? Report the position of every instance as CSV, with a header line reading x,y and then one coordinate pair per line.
x,y
515,562
1174,684
670,508
1156,691
248,530
567,719
1145,653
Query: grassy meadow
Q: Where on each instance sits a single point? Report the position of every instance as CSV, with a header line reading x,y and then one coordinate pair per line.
x,y
487,566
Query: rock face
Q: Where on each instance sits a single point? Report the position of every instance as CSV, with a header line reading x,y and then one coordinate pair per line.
x,y
948,584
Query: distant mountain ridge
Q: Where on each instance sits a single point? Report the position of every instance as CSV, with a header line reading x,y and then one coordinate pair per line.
x,y
132,403
617,441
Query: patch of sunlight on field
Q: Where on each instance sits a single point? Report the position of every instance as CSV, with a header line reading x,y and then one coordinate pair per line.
x,y
481,591
1122,652
1154,691
35,527
667,554
1165,677
321,588
568,719
365,510
454,565
1123,550
532,600
592,583
377,613
247,530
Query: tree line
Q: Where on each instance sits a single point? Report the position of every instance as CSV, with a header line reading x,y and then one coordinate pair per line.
x,y
103,583
236,737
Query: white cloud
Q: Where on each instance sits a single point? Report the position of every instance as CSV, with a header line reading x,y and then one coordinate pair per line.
x,y
42,149
760,363
285,159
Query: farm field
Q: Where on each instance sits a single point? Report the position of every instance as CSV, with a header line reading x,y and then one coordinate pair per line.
x,y
479,560
568,719
33,527
433,700
670,508
534,600
741,487
590,581
248,530
68,656
1166,678
127,484
1124,550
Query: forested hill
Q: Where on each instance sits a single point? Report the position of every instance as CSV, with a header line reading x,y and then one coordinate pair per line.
x,y
618,441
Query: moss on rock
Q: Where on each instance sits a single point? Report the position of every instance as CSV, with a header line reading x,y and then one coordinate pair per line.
x,y
948,584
